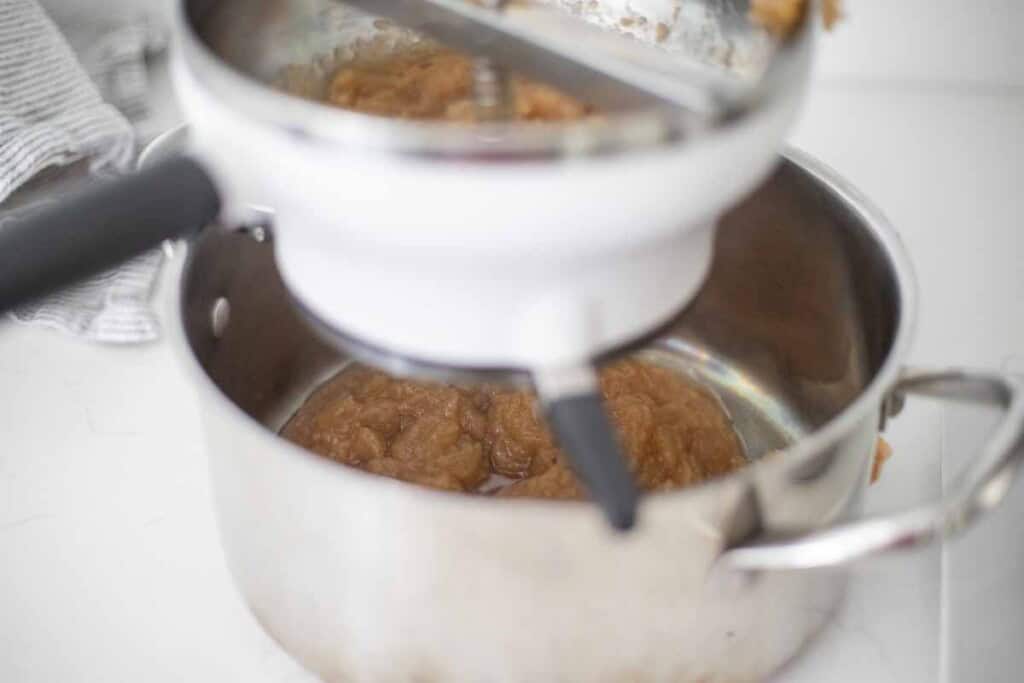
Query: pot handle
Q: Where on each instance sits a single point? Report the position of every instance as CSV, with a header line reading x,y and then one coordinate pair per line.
x,y
98,226
982,486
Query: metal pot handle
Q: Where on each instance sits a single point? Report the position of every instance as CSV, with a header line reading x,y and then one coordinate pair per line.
x,y
982,486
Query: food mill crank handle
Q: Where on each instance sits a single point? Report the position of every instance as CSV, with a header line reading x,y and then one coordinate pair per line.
x,y
101,225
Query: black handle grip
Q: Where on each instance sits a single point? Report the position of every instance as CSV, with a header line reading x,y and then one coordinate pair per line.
x,y
585,434
99,226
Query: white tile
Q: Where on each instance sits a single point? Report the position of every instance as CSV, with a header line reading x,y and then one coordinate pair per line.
x,y
946,168
888,629
940,41
947,171
111,568
984,570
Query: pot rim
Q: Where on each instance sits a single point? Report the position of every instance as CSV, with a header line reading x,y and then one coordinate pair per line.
x,y
869,401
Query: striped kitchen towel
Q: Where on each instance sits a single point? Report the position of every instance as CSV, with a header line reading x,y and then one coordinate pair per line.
x,y
53,115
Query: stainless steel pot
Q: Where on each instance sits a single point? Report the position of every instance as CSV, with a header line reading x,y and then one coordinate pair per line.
x,y
802,329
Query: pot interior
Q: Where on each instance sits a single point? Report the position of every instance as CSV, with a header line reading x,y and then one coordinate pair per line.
x,y
799,312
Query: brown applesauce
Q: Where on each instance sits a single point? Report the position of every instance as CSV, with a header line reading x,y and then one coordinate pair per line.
x,y
493,439
428,82
783,16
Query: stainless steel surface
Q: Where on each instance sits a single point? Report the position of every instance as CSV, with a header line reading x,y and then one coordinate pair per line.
x,y
800,330
237,47
981,487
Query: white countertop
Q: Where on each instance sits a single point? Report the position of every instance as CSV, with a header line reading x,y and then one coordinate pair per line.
x,y
945,165
112,571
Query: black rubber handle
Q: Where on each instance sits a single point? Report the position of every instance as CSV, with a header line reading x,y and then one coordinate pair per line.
x,y
99,226
585,433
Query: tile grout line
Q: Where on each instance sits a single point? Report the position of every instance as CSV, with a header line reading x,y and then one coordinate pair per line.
x,y
944,561
918,86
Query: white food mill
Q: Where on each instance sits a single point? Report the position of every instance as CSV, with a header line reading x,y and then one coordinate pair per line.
x,y
498,249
